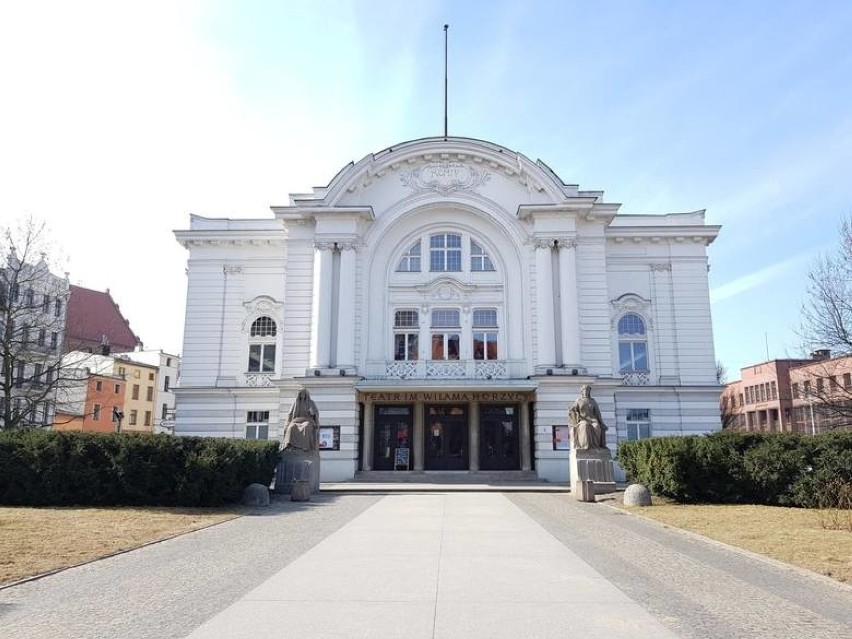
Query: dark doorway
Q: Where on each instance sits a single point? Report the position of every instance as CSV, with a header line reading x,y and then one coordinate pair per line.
x,y
446,437
393,427
499,437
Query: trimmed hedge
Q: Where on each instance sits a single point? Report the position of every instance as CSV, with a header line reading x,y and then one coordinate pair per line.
x,y
782,469
44,468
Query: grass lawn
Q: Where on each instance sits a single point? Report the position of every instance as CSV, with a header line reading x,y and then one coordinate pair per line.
x,y
820,541
38,540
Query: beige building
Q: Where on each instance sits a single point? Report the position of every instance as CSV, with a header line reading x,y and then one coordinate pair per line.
x,y
139,393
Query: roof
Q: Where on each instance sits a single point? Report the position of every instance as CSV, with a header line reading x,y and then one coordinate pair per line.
x,y
93,318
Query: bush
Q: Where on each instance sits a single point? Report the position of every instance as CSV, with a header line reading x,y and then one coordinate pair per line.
x,y
751,468
41,468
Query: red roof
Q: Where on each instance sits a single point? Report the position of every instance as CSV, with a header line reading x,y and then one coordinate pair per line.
x,y
93,318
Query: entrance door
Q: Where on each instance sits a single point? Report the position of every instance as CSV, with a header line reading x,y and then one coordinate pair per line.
x,y
499,437
446,437
392,443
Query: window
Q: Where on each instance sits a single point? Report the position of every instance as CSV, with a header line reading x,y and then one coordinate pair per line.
x,y
257,424
819,385
19,381
122,371
773,390
166,384
484,333
479,260
45,306
150,377
445,252
37,372
135,392
14,292
445,343
116,414
57,308
410,262
795,389
96,413
25,334
847,380
638,423
117,389
99,385
136,374
168,361
262,353
632,344
149,394
405,335
42,337
30,298
133,418
147,418
164,414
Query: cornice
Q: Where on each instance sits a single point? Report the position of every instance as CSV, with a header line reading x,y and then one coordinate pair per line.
x,y
189,239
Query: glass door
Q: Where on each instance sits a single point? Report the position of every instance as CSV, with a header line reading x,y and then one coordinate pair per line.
x,y
499,437
446,437
393,426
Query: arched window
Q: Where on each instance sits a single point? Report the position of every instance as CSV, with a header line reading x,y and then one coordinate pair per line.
x,y
632,344
479,260
410,262
262,345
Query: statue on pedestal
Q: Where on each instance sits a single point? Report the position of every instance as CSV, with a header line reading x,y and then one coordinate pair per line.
x,y
588,431
299,463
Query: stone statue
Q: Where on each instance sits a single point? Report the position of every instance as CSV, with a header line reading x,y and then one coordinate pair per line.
x,y
301,431
588,431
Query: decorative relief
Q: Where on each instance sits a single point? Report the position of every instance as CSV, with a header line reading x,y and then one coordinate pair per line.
x,y
631,303
445,177
341,246
567,242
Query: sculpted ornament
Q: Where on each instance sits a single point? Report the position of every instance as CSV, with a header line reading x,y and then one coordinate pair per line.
x,y
445,177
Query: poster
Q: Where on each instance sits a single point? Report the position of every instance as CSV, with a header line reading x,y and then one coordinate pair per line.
x,y
329,438
561,438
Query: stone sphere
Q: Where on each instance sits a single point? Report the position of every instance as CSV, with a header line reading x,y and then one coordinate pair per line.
x,y
255,495
637,495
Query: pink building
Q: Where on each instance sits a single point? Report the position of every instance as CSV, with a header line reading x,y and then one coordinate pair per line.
x,y
791,395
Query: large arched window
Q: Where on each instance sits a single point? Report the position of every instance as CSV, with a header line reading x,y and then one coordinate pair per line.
x,y
479,260
632,344
262,345
410,261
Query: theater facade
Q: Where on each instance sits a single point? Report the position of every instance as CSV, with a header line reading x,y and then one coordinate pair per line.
x,y
443,301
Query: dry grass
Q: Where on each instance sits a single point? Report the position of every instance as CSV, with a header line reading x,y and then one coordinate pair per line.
x,y
793,535
38,540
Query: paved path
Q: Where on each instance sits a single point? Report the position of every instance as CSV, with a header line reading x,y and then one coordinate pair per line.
x,y
436,565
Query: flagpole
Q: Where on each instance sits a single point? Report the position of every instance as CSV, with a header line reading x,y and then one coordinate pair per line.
x,y
446,28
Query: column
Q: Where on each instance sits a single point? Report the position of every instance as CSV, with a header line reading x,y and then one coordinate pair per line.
x,y
367,443
419,438
473,435
321,320
570,310
544,302
346,308
525,438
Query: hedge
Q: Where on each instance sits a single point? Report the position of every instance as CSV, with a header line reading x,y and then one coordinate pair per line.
x,y
44,468
783,469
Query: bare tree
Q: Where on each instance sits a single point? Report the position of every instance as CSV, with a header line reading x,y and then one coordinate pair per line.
x,y
32,325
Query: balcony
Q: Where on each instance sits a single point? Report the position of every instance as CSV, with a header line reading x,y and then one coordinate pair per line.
x,y
447,369
636,378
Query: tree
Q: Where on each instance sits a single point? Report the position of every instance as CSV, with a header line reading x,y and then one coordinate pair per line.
x,y
32,325
826,331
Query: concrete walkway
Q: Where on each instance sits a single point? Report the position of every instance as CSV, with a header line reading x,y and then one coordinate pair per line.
x,y
431,564
448,566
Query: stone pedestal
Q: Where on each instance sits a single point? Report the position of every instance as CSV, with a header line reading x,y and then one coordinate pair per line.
x,y
591,466
285,471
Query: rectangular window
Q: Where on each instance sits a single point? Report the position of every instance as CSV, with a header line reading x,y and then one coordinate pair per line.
x,y
164,414
19,380
45,307
847,380
257,424
445,318
819,385
166,384
445,252
795,389
116,414
150,377
833,385
638,423
136,374
122,371
42,337
135,391
133,418
117,389
37,372
54,341
149,394
405,346
445,346
633,356
96,413
147,418
57,308
99,385
169,362
773,390
261,358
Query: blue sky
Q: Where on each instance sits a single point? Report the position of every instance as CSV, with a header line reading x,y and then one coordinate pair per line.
x,y
118,120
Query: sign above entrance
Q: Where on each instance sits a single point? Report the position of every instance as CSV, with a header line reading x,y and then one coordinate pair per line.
x,y
448,396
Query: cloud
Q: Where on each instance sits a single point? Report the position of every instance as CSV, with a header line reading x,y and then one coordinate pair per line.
x,y
757,278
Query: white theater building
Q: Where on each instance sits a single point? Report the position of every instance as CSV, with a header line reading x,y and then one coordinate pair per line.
x,y
443,301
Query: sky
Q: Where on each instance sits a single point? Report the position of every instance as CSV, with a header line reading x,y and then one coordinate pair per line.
x,y
118,120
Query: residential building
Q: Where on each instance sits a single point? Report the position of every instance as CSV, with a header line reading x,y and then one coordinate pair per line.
x,y
92,404
791,395
444,301
95,324
33,303
139,398
168,366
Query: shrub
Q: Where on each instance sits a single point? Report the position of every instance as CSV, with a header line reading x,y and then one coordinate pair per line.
x,y
755,468
60,468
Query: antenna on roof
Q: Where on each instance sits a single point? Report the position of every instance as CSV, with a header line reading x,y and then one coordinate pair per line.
x,y
446,28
